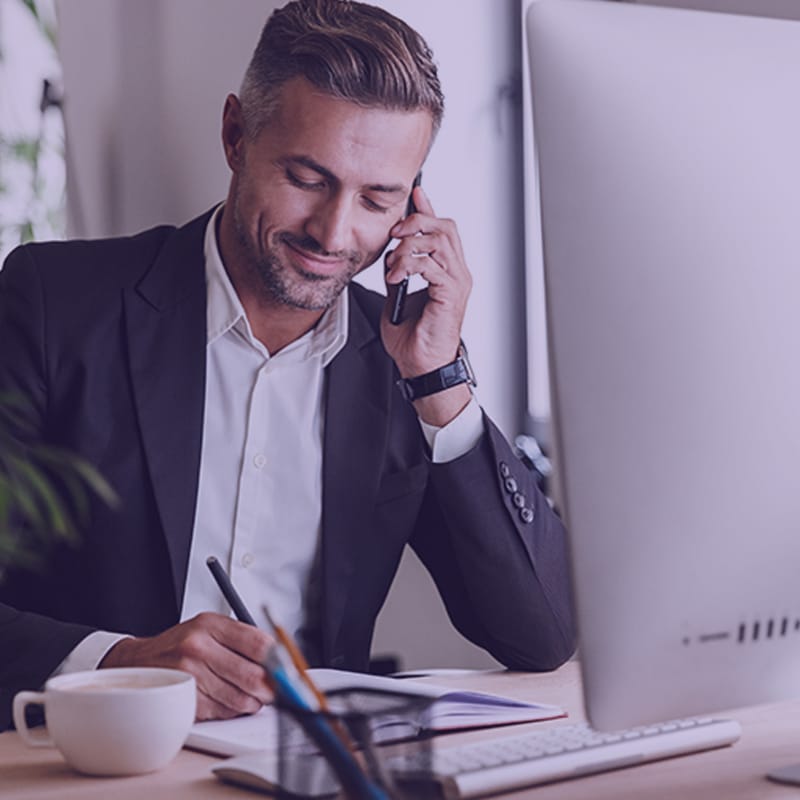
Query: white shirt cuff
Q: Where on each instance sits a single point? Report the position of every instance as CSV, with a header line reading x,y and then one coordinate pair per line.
x,y
459,436
89,652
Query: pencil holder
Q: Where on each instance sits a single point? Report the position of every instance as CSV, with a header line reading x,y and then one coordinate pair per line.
x,y
349,750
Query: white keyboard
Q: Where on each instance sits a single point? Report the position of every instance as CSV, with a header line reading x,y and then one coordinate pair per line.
x,y
559,752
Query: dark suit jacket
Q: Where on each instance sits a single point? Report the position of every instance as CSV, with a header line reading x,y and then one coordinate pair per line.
x,y
108,340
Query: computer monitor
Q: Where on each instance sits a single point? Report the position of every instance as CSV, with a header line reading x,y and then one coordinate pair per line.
x,y
668,152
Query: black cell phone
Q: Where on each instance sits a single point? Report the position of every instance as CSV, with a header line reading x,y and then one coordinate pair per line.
x,y
402,287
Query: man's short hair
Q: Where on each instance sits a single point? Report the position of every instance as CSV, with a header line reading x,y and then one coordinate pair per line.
x,y
350,50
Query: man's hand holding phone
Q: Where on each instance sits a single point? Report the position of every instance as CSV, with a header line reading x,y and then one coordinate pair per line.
x,y
428,336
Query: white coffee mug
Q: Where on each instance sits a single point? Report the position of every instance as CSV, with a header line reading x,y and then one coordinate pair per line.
x,y
118,721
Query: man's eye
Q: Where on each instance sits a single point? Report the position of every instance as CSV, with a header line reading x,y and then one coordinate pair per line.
x,y
373,206
296,180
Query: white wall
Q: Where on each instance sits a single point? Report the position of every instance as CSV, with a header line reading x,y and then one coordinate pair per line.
x,y
145,83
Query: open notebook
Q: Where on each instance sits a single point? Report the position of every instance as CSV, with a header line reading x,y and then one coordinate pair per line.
x,y
452,710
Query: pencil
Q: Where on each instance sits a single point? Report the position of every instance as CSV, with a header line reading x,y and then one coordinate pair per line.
x,y
299,661
301,665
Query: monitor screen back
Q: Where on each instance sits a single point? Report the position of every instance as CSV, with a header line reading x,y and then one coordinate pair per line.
x,y
668,146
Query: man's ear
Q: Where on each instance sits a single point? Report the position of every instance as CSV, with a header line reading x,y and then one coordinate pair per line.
x,y
233,137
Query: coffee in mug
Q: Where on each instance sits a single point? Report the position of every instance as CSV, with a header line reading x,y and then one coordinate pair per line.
x,y
120,721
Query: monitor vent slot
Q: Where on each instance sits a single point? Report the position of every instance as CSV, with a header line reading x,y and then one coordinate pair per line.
x,y
754,631
760,630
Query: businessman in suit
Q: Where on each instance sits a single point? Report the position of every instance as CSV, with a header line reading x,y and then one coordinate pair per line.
x,y
248,401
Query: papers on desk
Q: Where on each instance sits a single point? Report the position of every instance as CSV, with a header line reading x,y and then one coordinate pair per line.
x,y
452,710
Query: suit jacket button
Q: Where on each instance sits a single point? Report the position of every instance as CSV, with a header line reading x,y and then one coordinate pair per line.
x,y
505,471
511,485
518,499
526,515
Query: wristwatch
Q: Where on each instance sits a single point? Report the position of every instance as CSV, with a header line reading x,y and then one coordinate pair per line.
x,y
452,374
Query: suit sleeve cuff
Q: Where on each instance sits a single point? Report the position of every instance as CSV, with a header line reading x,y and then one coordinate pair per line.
x,y
89,652
459,436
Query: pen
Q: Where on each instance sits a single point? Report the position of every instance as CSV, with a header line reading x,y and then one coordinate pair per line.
x,y
231,595
242,614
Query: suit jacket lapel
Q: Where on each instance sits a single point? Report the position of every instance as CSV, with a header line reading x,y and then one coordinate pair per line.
x,y
166,328
359,381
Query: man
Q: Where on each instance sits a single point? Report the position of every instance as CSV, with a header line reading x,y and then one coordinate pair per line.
x,y
247,401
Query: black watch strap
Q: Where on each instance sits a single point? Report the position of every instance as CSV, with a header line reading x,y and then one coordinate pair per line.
x,y
452,374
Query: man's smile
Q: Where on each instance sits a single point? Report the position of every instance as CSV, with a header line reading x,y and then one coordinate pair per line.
x,y
310,259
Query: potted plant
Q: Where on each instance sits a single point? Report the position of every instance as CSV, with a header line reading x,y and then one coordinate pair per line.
x,y
44,490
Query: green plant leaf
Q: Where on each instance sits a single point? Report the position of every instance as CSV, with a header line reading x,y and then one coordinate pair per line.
x,y
31,6
25,149
24,503
26,233
44,491
45,497
47,29
95,481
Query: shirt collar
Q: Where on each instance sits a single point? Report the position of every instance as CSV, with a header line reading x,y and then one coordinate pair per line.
x,y
224,311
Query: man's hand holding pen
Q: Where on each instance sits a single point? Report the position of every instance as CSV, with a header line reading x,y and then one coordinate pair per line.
x,y
429,335
224,655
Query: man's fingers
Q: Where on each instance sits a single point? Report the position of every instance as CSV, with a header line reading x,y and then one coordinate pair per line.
x,y
422,202
209,707
232,693
442,243
251,643
224,655
231,653
235,679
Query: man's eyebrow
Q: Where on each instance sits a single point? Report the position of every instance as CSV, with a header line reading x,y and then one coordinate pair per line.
x,y
306,161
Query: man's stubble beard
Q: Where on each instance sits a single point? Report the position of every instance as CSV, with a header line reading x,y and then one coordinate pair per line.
x,y
286,284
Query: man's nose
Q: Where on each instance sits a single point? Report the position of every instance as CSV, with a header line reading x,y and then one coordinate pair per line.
x,y
331,223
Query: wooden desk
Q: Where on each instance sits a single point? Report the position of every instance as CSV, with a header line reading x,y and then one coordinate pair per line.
x,y
770,739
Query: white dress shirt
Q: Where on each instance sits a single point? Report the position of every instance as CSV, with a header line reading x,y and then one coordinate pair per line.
x,y
259,505
259,500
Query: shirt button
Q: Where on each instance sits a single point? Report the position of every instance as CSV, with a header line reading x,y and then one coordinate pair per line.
x,y
259,460
247,559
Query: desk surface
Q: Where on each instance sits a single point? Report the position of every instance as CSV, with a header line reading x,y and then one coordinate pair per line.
x,y
770,739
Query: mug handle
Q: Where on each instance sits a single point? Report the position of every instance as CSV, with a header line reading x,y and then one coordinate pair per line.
x,y
30,736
